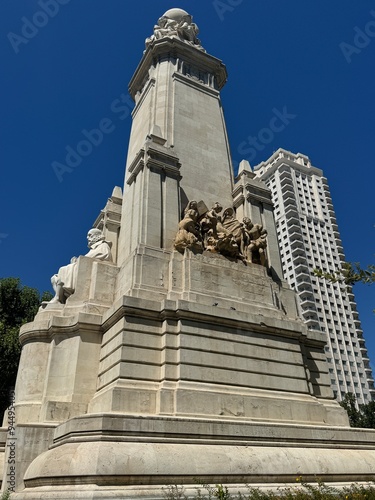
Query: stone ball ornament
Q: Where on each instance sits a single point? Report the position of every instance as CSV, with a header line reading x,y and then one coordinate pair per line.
x,y
176,14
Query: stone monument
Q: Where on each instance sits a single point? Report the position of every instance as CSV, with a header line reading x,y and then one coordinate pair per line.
x,y
179,356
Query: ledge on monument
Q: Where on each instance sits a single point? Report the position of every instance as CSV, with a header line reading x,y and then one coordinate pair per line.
x,y
127,427
45,329
172,47
227,284
275,323
142,463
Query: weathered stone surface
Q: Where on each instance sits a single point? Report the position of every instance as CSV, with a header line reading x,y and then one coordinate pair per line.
x,y
160,450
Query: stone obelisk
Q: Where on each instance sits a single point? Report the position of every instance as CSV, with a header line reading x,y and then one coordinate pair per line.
x,y
178,148
183,357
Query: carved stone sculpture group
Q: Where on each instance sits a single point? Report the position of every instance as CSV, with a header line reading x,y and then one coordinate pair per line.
x,y
219,231
181,27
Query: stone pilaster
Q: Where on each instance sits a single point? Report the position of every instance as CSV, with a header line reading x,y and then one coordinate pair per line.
x,y
252,199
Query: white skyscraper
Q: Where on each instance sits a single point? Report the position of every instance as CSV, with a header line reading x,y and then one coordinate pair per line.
x,y
309,238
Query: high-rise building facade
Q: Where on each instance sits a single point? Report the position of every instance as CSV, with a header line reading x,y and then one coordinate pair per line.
x,y
309,238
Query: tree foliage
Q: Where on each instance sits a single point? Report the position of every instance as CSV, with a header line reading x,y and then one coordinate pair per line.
x,y
359,416
18,305
350,273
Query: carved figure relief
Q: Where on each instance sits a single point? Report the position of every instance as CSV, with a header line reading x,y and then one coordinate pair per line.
x,y
189,234
64,282
235,227
257,244
222,234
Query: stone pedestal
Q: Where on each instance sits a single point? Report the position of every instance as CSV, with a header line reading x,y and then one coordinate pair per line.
x,y
116,455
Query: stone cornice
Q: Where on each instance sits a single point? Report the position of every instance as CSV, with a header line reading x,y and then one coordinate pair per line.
x,y
175,49
186,310
196,84
136,166
60,325
157,158
253,190
180,429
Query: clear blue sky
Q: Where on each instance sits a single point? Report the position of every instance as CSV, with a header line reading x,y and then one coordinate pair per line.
x,y
61,77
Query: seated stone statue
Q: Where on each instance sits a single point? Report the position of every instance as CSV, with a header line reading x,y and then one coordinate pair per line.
x,y
226,245
188,235
64,282
236,228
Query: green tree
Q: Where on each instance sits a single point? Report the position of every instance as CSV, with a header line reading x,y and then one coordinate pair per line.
x,y
18,305
368,415
359,415
349,274
349,403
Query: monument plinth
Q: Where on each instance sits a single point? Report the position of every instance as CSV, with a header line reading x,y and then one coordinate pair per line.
x,y
181,355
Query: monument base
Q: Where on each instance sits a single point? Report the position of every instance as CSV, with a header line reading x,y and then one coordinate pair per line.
x,y
111,456
219,383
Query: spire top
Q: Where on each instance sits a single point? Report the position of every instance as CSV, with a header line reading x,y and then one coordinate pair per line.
x,y
245,169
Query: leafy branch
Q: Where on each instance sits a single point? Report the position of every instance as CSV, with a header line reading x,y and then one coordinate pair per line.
x,y
350,273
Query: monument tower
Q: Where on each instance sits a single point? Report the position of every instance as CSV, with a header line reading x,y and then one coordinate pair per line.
x,y
176,353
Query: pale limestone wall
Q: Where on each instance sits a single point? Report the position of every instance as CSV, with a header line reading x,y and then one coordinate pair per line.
x,y
211,278
140,455
31,378
205,360
71,378
57,377
142,121
96,281
158,274
200,141
31,441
